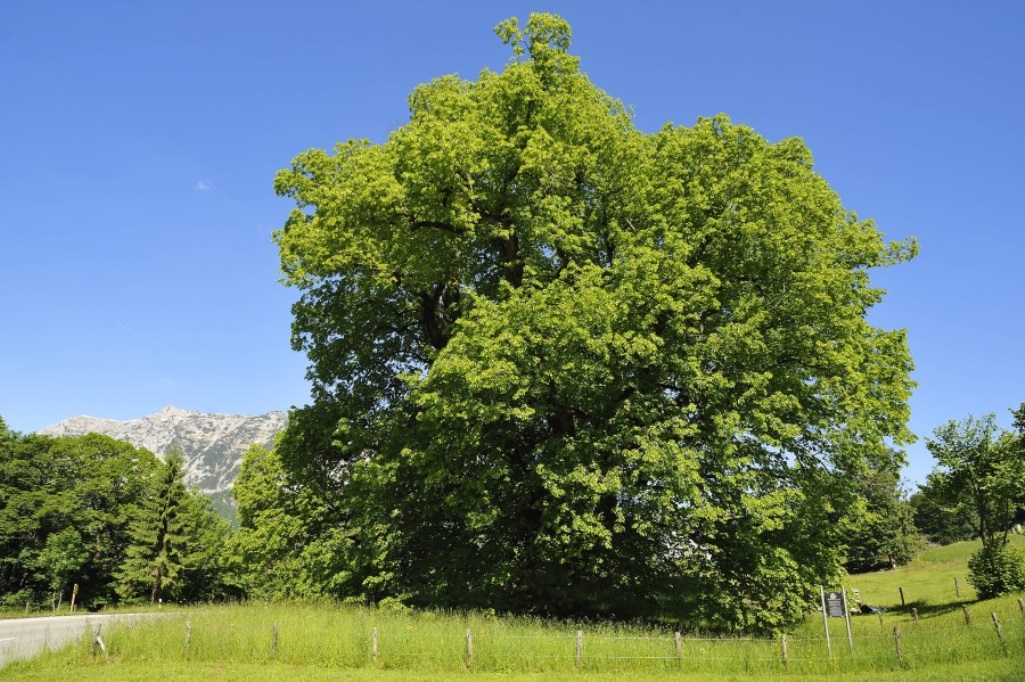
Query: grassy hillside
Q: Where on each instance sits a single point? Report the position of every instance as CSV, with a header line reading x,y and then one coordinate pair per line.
x,y
928,582
321,642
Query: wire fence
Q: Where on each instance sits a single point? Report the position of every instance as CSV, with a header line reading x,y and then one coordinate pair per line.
x,y
485,645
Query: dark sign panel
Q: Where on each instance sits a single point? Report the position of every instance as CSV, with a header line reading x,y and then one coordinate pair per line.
x,y
835,606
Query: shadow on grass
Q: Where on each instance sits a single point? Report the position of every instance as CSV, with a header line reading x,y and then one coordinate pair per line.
x,y
927,610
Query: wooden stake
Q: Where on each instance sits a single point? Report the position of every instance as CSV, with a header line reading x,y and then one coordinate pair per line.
x,y
967,616
98,644
881,628
274,640
679,644
902,604
914,612
469,647
1021,606
1000,632
580,646
897,642
373,645
957,587
188,633
783,646
74,596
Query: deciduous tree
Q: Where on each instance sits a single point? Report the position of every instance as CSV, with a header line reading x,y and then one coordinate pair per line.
x,y
882,532
563,366
64,509
981,470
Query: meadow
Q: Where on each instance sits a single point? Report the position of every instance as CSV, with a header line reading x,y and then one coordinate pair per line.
x,y
337,642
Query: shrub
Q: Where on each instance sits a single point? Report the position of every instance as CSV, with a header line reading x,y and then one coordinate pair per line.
x,y
996,569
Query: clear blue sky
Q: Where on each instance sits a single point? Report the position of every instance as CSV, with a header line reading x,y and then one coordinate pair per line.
x,y
140,140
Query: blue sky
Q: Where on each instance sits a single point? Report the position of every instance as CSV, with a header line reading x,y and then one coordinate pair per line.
x,y
140,141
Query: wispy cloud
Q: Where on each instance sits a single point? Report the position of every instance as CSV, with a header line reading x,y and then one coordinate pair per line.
x,y
145,338
204,186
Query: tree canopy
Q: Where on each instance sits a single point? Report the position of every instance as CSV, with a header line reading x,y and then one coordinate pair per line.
x,y
561,365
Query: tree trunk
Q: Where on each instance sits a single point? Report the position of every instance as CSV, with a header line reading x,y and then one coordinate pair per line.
x,y
156,584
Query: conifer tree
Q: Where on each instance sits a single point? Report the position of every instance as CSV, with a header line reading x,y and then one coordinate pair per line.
x,y
154,558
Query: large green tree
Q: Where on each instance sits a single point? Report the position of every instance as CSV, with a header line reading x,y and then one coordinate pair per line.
x,y
560,365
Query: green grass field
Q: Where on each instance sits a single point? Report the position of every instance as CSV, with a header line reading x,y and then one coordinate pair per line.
x,y
334,642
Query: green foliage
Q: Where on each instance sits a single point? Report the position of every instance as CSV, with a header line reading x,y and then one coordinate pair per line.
x,y
61,557
996,569
98,513
883,533
177,542
204,572
285,546
981,472
64,508
158,535
563,366
937,521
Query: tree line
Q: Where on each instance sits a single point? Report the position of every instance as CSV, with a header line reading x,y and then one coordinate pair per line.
x,y
105,516
114,520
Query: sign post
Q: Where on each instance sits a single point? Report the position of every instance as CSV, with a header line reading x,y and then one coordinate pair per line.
x,y
825,621
835,606
847,619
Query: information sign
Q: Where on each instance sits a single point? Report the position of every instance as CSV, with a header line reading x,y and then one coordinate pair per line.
x,y
836,605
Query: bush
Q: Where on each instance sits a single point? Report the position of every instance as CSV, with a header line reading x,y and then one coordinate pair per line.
x,y
996,569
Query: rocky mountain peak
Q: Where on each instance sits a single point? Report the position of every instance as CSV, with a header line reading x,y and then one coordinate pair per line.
x,y
213,444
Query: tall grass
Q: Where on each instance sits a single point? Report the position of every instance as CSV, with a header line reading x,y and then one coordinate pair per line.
x,y
314,637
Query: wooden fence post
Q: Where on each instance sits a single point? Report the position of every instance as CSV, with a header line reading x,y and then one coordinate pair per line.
x,y
902,604
1021,606
274,640
967,616
580,647
783,646
188,634
957,587
469,648
881,627
914,612
98,644
897,642
373,645
74,597
678,641
1000,633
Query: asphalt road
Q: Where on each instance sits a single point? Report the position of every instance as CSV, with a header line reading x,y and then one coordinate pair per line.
x,y
26,637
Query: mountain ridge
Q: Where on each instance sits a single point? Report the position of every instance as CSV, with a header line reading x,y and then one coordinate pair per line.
x,y
213,444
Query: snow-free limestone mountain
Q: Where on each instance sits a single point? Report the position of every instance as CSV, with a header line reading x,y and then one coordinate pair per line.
x,y
213,444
